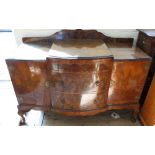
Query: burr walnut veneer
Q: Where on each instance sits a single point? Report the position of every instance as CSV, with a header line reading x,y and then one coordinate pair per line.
x,y
78,75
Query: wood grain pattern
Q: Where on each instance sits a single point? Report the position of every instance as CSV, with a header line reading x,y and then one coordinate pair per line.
x,y
79,89
29,80
79,34
83,66
147,113
127,83
80,86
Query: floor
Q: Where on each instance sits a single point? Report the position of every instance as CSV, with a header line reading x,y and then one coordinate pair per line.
x,y
8,104
120,118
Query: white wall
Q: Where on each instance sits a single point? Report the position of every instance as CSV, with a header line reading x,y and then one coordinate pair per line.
x,y
19,33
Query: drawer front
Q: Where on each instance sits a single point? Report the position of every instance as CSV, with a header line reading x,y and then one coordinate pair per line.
x,y
127,81
61,66
80,83
29,81
78,102
144,42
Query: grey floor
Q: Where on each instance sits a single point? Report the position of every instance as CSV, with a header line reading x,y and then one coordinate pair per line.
x,y
103,119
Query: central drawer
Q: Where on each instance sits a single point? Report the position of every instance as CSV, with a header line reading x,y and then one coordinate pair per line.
x,y
82,65
80,83
78,102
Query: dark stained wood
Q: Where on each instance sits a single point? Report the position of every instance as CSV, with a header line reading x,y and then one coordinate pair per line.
x,y
79,34
147,113
146,42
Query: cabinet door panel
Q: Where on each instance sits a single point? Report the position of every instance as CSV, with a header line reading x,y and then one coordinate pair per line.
x,y
127,81
29,81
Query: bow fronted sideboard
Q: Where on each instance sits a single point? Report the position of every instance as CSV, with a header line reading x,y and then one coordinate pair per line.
x,y
78,72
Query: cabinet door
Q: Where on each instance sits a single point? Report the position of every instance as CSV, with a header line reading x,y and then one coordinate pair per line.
x,y
29,82
127,81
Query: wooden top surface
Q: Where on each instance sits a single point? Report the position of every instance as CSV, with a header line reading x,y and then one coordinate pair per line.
x,y
80,48
128,54
149,32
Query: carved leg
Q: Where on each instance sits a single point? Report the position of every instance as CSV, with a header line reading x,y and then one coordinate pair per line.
x,y
22,110
134,116
22,120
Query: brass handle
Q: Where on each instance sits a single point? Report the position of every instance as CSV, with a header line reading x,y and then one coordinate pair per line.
x,y
99,83
112,83
47,84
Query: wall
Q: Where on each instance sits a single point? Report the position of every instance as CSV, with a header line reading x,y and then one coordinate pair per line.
x,y
19,33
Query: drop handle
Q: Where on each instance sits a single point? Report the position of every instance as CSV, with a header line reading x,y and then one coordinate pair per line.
x,y
97,83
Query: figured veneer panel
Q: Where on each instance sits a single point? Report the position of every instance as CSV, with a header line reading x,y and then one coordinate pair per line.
x,y
127,81
80,83
78,88
29,79
80,65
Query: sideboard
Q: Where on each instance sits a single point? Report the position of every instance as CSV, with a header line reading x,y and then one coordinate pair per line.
x,y
82,73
